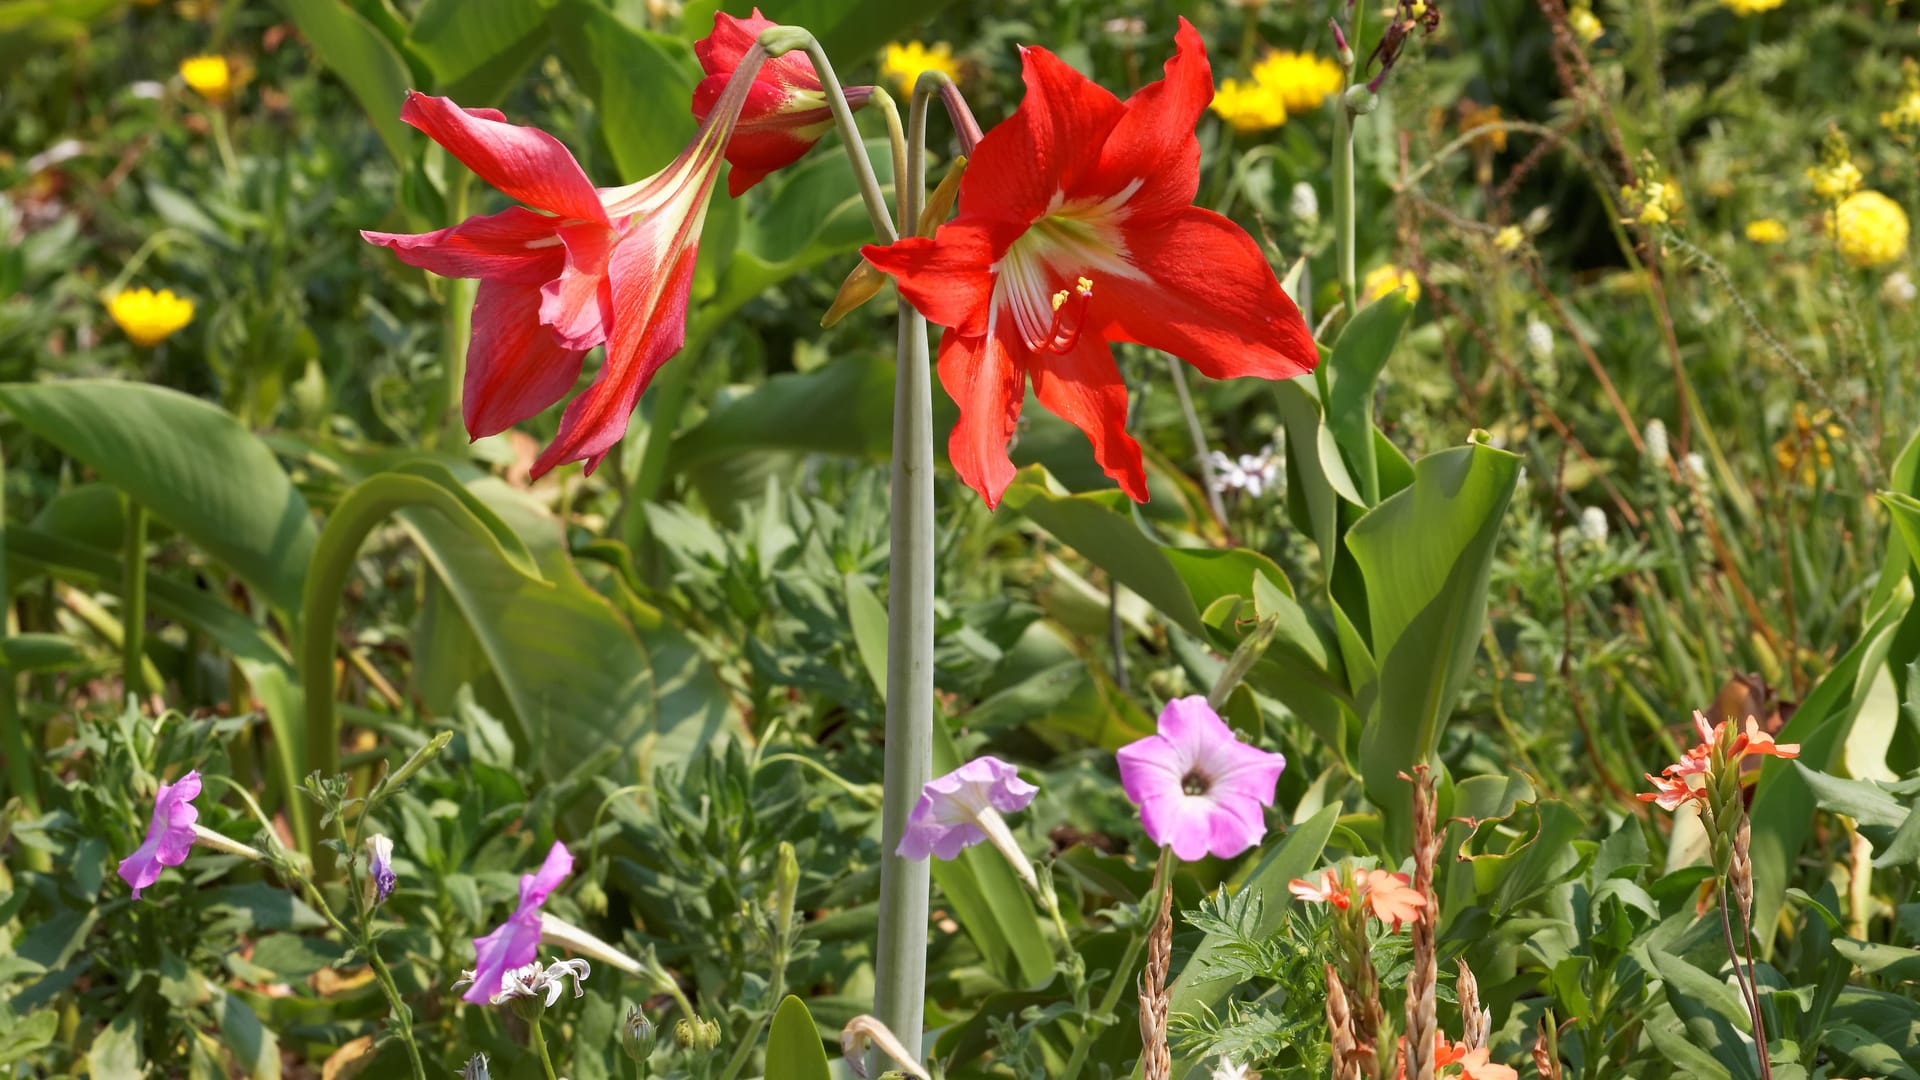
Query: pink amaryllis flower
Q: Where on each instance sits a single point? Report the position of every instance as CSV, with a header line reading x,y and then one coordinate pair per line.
x,y
786,110
1199,788
576,267
169,833
512,945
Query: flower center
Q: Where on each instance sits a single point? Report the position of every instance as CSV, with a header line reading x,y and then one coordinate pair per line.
x,y
1194,783
1046,277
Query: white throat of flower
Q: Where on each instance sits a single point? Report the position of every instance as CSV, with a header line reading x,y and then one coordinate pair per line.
x,y
1044,280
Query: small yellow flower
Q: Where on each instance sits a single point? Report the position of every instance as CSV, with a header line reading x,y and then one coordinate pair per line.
x,y
1871,229
1586,25
1835,182
1809,444
1385,278
1474,116
904,63
1750,7
1300,80
1249,106
1767,231
149,317
1652,202
1508,239
208,75
1904,117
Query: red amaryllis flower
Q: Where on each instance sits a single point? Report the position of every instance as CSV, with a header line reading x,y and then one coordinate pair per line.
x,y
1075,230
586,266
786,109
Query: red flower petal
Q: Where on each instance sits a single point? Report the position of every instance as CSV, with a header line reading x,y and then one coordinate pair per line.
x,y
720,52
949,277
1083,387
1045,146
525,163
650,325
1154,141
989,386
1211,300
515,368
578,304
515,245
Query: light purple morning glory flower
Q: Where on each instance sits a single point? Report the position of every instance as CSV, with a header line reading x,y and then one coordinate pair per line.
x,y
169,833
952,812
380,876
1199,788
512,944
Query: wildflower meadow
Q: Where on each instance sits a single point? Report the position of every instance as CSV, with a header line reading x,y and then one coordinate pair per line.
x,y
962,540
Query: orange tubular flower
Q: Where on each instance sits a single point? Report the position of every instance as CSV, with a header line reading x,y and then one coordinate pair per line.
x,y
1392,898
1328,891
1076,229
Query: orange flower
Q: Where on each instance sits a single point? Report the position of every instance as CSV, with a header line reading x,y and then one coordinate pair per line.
x,y
1447,1053
1392,898
1759,742
1475,1066
1329,891
1670,791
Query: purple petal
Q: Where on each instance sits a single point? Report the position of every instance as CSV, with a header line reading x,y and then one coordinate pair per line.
x,y
535,888
982,782
169,833
1236,825
1150,768
1193,728
1242,770
512,944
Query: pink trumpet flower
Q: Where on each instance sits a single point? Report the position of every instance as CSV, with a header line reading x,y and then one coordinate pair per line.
x,y
512,945
169,833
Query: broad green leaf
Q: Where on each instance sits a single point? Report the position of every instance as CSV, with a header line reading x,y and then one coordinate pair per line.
x,y
577,675
191,465
363,59
1358,358
115,1054
28,1035
641,82
1425,555
1538,852
794,1051
988,900
1709,1010
843,408
1894,963
1868,1052
869,618
1295,856
254,1048
1177,582
1314,479
476,47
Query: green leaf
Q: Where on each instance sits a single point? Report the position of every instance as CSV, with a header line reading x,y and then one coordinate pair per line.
x,y
1708,1009
191,465
115,1054
254,1048
363,59
1294,857
1359,356
1178,582
1516,857
28,1036
1868,1052
1892,962
476,47
1425,555
869,618
794,1051
988,900
641,82
843,408
576,673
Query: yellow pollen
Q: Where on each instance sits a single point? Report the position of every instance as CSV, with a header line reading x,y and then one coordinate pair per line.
x,y
1060,298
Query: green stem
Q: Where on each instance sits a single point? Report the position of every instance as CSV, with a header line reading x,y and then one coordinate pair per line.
x,y
19,747
133,601
224,143
1201,451
1122,975
445,422
900,970
1343,200
540,1043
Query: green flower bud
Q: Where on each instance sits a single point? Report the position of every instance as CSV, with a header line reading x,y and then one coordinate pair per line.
x,y
786,883
636,1037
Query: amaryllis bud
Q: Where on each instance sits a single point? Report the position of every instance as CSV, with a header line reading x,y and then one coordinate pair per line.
x,y
786,110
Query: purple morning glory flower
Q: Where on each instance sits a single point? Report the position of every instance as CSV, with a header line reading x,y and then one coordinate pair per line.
x,y
169,833
512,944
950,815
1199,788
380,876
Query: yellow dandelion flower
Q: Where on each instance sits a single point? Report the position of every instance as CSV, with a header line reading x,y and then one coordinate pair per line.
x,y
1835,182
1301,80
1767,231
1870,228
1474,116
1385,278
1744,8
904,63
149,317
1586,25
1508,239
1249,106
208,75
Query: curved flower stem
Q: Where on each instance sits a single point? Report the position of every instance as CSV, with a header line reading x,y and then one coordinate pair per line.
x,y
539,1041
1122,975
780,40
1202,453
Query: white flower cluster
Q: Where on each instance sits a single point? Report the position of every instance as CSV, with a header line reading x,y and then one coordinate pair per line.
x,y
1254,474
535,979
